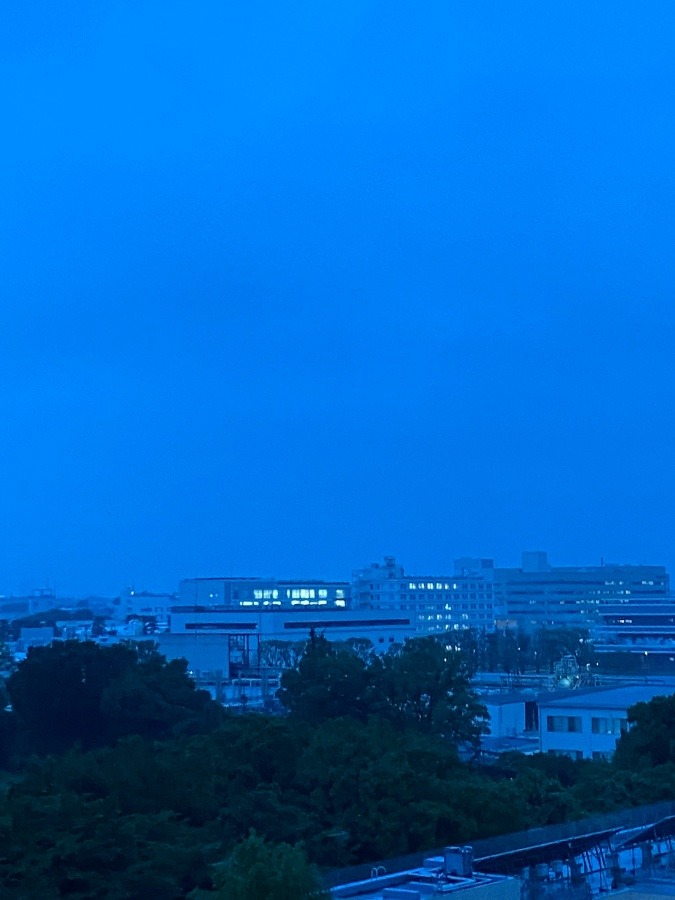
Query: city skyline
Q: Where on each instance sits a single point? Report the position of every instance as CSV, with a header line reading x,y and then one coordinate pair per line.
x,y
346,574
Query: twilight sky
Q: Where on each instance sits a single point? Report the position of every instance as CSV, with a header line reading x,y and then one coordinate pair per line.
x,y
289,286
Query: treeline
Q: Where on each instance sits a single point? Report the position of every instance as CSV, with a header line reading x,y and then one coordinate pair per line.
x,y
122,780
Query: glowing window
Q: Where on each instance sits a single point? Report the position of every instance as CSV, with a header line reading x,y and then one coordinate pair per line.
x,y
339,593
323,592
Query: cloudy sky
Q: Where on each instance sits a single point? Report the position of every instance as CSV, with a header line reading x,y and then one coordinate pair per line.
x,y
289,286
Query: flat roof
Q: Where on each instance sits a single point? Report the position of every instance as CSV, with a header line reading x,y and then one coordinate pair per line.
x,y
612,698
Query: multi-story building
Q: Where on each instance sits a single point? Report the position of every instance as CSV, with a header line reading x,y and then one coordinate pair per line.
x,y
437,603
645,626
143,605
538,594
263,593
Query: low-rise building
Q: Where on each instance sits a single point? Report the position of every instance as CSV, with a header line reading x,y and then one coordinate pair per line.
x,y
587,724
229,639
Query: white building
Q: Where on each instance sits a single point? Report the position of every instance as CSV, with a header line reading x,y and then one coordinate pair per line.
x,y
228,640
437,603
587,725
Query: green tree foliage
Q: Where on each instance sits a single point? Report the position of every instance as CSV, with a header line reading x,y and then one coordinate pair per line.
x,y
423,684
255,868
329,681
427,685
651,738
78,692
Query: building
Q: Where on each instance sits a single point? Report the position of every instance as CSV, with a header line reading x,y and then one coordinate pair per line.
x,y
144,605
538,594
263,593
645,626
436,603
587,724
225,639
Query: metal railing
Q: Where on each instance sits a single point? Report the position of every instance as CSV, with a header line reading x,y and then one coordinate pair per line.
x,y
484,848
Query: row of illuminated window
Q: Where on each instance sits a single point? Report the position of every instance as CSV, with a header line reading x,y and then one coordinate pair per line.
x,y
439,617
305,602
440,586
297,594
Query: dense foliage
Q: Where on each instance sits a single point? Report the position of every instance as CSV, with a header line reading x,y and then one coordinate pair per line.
x,y
423,685
79,692
189,800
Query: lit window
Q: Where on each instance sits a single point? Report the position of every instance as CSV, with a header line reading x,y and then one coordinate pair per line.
x,y
339,594
323,592
295,593
275,594
340,603
430,586
258,594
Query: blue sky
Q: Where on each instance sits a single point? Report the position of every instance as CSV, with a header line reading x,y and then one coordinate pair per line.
x,y
286,287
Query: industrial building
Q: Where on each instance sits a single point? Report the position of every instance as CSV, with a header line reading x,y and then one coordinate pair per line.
x,y
228,640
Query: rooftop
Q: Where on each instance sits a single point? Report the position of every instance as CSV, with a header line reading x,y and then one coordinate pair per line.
x,y
612,698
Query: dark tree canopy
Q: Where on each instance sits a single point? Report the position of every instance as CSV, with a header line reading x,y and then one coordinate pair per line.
x,y
78,692
422,684
651,738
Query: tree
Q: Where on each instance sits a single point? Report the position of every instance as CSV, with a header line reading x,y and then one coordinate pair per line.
x,y
77,691
427,685
651,738
329,681
256,868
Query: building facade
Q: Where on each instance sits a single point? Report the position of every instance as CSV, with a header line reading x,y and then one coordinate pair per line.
x,y
587,725
436,603
263,593
229,639
540,595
